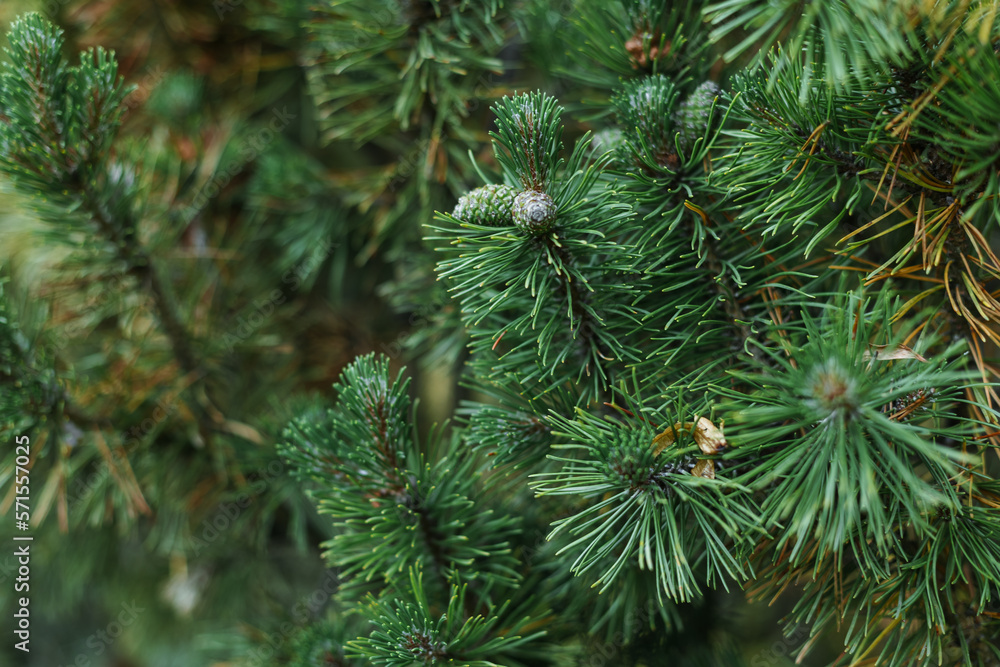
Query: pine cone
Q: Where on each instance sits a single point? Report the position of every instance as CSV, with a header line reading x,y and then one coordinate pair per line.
x,y
534,212
489,205
691,118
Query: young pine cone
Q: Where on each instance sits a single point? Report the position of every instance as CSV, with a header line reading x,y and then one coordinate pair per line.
x,y
489,205
534,212
691,117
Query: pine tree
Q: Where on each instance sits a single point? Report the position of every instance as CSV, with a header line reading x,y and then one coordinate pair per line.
x,y
125,358
718,283
686,376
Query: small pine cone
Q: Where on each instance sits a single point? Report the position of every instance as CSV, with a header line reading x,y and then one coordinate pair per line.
x,y
691,118
489,205
534,212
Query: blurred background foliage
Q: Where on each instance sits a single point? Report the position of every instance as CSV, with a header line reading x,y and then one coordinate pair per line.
x,y
284,191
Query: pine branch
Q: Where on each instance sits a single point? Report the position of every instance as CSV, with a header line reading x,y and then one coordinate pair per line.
x,y
74,113
583,324
408,632
123,237
376,480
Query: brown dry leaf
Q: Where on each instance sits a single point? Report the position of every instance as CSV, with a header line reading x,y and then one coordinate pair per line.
x,y
704,468
707,435
665,439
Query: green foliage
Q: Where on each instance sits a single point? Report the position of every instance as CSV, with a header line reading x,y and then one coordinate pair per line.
x,y
963,124
646,108
408,632
57,121
321,644
801,148
878,426
728,320
853,38
528,139
400,61
635,38
29,391
693,117
423,498
665,157
647,507
157,477
499,275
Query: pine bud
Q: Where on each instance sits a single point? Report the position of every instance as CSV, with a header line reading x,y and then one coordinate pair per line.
x,y
645,109
534,212
610,139
489,205
691,118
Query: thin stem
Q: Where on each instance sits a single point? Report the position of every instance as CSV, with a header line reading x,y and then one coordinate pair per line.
x,y
584,330
141,266
172,326
729,302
